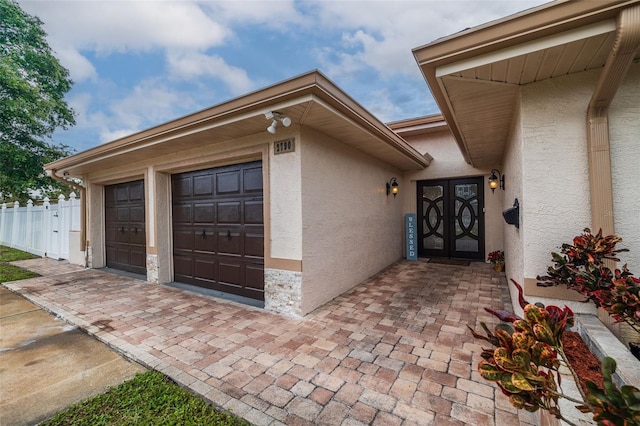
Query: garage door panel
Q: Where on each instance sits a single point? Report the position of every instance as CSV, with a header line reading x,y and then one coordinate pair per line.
x,y
122,214
206,269
183,268
229,243
254,245
205,241
136,214
253,180
136,191
253,212
122,255
111,234
122,193
137,257
229,212
230,273
181,187
231,217
182,213
122,236
183,239
204,213
202,185
228,182
137,234
111,214
111,252
255,276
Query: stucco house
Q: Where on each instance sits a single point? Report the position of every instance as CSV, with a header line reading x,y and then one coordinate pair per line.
x,y
283,195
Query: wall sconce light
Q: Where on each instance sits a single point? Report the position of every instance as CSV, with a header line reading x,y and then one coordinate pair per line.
x,y
494,182
392,187
275,116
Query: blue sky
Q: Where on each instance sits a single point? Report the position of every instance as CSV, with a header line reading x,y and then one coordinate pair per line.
x,y
139,63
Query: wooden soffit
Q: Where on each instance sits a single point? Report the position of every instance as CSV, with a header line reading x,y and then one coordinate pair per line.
x,y
475,75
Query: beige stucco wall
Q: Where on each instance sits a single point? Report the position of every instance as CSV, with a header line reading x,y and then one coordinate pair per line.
x,y
547,161
513,237
350,228
286,203
555,198
449,163
624,133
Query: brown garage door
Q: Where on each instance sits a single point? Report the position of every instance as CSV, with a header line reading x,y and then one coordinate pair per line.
x,y
218,231
125,227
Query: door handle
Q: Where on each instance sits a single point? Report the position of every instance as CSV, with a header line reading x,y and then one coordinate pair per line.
x,y
122,229
135,231
229,235
204,234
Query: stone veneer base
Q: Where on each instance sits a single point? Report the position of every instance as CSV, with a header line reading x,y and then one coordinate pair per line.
x,y
283,291
152,268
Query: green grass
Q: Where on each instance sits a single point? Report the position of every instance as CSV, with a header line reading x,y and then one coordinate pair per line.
x,y
10,272
148,399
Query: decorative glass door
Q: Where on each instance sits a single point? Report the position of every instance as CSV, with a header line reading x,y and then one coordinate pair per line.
x,y
450,218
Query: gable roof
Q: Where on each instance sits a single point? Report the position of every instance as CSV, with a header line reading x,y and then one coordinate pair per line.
x,y
475,75
310,99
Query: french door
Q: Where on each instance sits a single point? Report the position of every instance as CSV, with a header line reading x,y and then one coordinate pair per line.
x,y
451,219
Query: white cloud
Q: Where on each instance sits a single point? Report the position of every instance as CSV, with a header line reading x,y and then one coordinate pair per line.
x,y
151,102
112,135
280,14
79,67
125,26
386,31
188,65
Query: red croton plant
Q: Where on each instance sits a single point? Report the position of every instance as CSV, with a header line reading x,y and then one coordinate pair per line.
x,y
581,267
528,351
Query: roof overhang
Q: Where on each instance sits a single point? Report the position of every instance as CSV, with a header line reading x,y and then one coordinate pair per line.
x,y
475,75
310,100
419,126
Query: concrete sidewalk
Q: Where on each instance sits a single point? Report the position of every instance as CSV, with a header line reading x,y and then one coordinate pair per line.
x,y
47,364
394,350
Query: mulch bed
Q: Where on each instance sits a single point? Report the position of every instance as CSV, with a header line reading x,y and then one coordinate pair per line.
x,y
584,363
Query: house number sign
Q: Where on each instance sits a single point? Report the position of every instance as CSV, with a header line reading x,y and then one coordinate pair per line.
x,y
410,220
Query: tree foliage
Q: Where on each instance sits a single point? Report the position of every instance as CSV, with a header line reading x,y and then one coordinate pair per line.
x,y
32,106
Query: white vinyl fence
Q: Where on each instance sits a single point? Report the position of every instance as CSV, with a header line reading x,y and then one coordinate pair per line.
x,y
40,229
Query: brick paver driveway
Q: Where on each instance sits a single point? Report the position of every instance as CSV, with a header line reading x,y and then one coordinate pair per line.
x,y
393,351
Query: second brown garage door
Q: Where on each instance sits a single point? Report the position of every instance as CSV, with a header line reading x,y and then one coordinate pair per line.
x,y
218,230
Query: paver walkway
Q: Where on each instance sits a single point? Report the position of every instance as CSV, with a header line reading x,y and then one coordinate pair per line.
x,y
392,351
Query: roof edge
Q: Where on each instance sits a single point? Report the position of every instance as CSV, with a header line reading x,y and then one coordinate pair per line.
x,y
546,19
310,83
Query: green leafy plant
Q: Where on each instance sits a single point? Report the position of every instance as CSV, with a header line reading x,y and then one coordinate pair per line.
x,y
525,363
581,266
612,406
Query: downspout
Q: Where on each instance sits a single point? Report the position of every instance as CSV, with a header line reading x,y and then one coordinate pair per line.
x,y
83,208
623,51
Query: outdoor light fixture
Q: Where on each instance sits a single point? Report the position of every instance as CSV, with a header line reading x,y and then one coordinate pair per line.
x,y
494,181
275,116
392,187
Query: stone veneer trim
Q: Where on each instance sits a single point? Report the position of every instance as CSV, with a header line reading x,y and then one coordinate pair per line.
x,y
152,268
283,291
